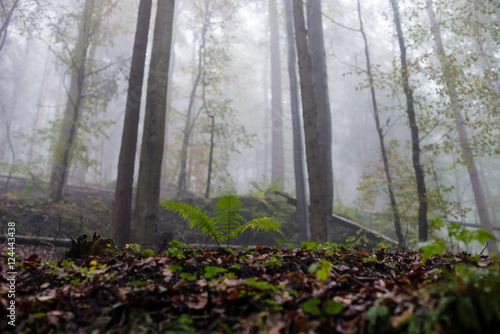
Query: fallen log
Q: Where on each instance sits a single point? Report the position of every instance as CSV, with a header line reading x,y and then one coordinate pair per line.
x,y
38,241
345,222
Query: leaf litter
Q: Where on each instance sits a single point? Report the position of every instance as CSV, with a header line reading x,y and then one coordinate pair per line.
x,y
253,290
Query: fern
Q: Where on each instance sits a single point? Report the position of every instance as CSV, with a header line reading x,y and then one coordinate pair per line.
x,y
196,217
226,217
259,224
226,223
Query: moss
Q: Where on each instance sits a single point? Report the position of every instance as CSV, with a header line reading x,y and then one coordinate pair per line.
x,y
82,247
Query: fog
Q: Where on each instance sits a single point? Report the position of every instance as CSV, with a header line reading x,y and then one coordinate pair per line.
x,y
36,49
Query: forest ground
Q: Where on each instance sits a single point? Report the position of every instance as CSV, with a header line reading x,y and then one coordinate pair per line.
x,y
280,289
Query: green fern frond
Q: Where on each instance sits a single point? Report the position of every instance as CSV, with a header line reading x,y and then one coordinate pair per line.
x,y
196,217
259,224
226,217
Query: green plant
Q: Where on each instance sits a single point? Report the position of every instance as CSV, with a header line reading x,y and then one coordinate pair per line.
x,y
226,223
321,269
455,232
262,187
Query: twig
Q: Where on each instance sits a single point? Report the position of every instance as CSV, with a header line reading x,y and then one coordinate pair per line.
x,y
484,249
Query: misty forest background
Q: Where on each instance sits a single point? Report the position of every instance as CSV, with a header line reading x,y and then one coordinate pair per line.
x,y
64,78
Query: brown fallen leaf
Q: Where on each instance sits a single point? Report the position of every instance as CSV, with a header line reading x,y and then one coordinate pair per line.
x,y
485,263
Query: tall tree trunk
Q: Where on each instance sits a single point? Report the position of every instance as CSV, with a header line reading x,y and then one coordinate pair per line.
x,y
320,85
447,68
415,140
298,138
380,132
41,98
148,185
277,155
122,213
318,209
64,144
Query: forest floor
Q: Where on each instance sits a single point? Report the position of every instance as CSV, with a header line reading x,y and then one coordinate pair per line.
x,y
312,289
330,288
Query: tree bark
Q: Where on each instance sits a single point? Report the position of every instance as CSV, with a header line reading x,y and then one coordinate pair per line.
x,y
320,85
298,137
415,140
210,157
277,152
148,185
318,213
380,132
477,188
69,126
122,213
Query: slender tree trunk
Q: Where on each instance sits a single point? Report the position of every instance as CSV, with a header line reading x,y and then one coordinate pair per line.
x,y
415,140
298,138
122,213
7,14
210,157
190,119
41,98
145,226
64,143
477,188
380,131
320,84
318,212
277,155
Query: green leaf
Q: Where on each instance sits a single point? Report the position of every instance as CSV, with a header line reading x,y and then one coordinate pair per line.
x,y
482,235
433,247
147,253
333,307
311,306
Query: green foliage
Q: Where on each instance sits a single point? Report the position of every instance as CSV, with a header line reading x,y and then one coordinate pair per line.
x,y
226,223
457,233
311,306
262,187
379,320
322,269
470,303
147,253
226,216
333,307
196,217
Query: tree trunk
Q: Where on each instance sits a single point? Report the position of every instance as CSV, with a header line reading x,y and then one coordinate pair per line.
x,y
190,119
320,84
210,157
390,186
277,155
7,15
319,215
415,141
447,68
64,144
148,185
41,98
122,213
298,138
